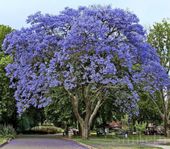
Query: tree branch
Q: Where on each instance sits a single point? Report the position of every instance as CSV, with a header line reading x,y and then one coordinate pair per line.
x,y
153,100
74,102
98,105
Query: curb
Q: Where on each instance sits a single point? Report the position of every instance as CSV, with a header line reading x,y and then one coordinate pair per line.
x,y
88,146
5,143
82,144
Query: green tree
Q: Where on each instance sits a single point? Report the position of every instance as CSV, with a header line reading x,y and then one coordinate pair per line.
x,y
60,111
7,102
159,37
4,30
30,118
148,112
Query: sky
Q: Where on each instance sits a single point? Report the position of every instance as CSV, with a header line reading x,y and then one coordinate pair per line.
x,y
15,12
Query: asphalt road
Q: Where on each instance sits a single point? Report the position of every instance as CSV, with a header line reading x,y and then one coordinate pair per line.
x,y
42,143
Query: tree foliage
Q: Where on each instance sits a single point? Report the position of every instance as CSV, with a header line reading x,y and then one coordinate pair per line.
x,y
159,37
4,30
7,101
60,111
148,112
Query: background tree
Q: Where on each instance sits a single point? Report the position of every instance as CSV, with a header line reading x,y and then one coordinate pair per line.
x,y
159,37
87,53
60,111
7,101
115,108
148,112
4,30
30,118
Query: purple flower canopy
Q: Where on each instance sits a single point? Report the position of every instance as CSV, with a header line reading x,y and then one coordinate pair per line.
x,y
100,46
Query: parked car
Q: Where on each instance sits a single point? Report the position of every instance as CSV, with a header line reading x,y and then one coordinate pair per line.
x,y
100,131
120,132
71,132
154,130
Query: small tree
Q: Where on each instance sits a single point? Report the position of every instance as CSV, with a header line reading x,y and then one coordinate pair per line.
x,y
87,53
159,37
7,101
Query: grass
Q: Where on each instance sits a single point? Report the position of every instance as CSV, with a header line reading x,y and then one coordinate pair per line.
x,y
112,142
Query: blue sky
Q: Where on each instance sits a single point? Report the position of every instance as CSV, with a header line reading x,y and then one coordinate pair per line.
x,y
15,12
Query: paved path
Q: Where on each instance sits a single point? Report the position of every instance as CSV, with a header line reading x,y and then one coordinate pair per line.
x,y
42,143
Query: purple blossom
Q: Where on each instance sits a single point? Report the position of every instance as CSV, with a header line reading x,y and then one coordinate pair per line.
x,y
100,46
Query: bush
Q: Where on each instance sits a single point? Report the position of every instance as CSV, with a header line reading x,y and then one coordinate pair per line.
x,y
46,123
7,131
48,129
140,127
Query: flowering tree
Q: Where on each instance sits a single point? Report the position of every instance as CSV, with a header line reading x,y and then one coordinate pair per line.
x,y
87,53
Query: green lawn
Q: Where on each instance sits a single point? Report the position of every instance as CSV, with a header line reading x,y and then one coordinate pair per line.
x,y
112,142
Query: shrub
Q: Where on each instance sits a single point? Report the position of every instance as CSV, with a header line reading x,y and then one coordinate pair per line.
x,y
46,123
140,127
47,129
7,131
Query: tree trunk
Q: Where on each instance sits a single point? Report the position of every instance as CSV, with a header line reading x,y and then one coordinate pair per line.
x,y
165,128
85,131
80,129
168,128
90,113
168,131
